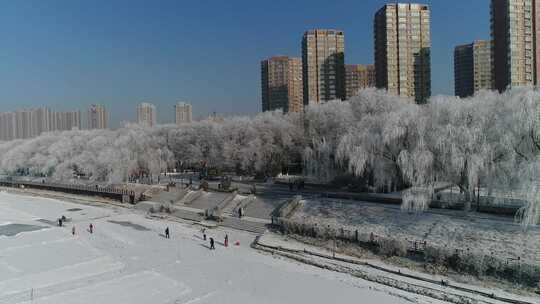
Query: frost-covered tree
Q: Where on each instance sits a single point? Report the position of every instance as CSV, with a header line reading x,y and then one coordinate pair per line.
x,y
490,141
325,125
484,140
101,155
383,127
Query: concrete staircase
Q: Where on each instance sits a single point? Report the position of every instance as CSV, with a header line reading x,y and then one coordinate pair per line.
x,y
239,224
187,215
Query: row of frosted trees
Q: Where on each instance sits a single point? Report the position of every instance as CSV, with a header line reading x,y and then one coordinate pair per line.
x,y
491,141
265,143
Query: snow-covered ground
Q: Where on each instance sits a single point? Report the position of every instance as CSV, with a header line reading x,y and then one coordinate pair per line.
x,y
477,232
127,260
288,245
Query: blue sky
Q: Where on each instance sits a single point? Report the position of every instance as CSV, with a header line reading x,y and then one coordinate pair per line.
x,y
67,54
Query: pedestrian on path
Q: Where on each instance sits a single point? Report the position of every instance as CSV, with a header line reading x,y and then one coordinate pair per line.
x,y
212,247
167,236
73,230
203,230
240,212
226,240
91,228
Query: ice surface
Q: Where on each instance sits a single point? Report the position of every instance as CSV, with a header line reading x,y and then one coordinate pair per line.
x,y
120,264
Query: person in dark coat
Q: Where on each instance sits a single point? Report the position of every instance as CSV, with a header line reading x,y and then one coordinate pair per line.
x,y
91,228
212,247
167,236
59,222
226,240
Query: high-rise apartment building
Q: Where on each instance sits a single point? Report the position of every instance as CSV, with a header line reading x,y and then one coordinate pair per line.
x,y
7,126
323,65
97,117
23,124
39,121
65,121
30,123
183,113
402,50
215,117
472,68
146,114
358,77
515,31
281,84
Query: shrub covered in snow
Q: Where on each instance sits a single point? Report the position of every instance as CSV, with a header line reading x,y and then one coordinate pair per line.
x,y
392,247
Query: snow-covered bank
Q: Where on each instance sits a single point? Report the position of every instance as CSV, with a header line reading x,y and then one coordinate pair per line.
x,y
126,260
484,234
436,286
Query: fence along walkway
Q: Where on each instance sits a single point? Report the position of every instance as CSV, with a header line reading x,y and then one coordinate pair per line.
x,y
117,194
371,241
290,253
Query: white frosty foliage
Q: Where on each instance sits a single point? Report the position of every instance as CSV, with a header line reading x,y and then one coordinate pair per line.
x,y
416,199
489,141
530,192
325,124
259,144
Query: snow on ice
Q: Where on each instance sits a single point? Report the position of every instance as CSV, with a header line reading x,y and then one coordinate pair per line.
x,y
121,264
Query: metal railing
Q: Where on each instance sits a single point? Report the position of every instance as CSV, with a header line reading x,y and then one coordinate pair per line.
x,y
89,190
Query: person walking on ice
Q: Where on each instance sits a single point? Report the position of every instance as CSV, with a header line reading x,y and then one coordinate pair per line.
x,y
212,247
91,228
226,243
73,230
167,236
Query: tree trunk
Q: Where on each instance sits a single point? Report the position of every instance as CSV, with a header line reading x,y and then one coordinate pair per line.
x,y
467,206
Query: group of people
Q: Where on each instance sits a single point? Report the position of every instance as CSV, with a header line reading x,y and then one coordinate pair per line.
x,y
167,233
212,242
74,230
63,219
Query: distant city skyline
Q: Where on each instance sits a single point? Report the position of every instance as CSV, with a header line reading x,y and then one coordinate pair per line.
x,y
29,123
120,53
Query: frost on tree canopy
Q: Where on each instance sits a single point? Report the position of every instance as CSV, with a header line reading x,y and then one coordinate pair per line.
x,y
490,141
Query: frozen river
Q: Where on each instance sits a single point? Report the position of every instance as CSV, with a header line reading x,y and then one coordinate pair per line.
x,y
127,260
